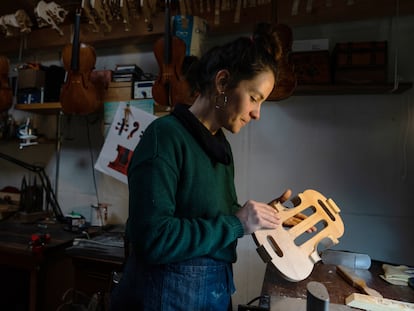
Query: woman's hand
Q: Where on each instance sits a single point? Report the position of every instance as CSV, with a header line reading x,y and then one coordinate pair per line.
x,y
283,198
257,215
292,221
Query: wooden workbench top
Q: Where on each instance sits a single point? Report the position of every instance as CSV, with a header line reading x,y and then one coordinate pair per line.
x,y
338,288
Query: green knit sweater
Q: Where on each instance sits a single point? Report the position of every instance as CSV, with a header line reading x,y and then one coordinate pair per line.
x,y
181,201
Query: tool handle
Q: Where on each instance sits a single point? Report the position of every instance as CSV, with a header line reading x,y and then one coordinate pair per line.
x,y
356,281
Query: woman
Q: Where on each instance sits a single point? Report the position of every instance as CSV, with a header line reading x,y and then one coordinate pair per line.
x,y
184,217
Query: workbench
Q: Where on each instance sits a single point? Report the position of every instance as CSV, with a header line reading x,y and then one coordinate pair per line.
x,y
94,261
277,287
33,281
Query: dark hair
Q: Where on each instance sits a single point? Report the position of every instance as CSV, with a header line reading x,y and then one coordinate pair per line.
x,y
244,58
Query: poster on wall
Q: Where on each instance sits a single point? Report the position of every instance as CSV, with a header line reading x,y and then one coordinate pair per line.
x,y
124,134
110,109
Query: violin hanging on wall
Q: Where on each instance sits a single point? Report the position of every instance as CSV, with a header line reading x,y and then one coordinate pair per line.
x,y
171,87
6,94
79,95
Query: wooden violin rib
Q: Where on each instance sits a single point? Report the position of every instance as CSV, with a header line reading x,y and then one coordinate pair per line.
x,y
280,246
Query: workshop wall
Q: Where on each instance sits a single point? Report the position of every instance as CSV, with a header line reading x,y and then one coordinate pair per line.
x,y
358,150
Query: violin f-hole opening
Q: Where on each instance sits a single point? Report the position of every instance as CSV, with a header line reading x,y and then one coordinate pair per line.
x,y
275,246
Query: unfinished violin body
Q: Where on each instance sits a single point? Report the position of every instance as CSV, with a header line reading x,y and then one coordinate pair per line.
x,y
79,95
282,247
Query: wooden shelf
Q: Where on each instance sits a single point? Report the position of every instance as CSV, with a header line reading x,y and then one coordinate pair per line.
x,y
353,89
301,90
47,108
349,89
49,39
341,11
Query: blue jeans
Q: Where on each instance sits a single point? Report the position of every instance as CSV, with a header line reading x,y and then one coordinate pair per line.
x,y
200,284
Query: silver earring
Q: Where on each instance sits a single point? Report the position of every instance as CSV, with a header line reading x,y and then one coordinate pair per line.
x,y
225,99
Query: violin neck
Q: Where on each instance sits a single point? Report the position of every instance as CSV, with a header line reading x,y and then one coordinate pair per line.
x,y
167,50
74,65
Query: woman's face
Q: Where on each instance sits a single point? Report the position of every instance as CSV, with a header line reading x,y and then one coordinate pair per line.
x,y
244,102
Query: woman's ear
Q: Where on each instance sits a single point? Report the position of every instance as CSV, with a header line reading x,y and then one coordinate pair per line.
x,y
222,78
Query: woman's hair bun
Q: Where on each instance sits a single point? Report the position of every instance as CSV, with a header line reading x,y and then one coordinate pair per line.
x,y
273,38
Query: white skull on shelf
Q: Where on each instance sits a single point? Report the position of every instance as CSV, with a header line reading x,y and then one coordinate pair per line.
x,y
50,14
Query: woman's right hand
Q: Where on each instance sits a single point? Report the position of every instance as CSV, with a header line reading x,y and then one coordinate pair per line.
x,y
257,215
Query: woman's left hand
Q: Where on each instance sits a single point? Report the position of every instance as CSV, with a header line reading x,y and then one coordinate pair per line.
x,y
292,221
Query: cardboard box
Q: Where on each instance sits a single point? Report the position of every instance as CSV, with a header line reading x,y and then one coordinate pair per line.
x,y
118,91
360,62
9,203
10,197
312,67
30,78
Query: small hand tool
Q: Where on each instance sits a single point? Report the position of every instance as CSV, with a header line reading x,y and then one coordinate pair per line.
x,y
356,281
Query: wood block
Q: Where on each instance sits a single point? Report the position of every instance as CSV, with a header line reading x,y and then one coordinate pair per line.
x,y
118,91
13,197
9,203
366,302
298,304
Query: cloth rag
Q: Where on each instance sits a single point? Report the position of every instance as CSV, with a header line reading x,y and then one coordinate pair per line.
x,y
397,275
